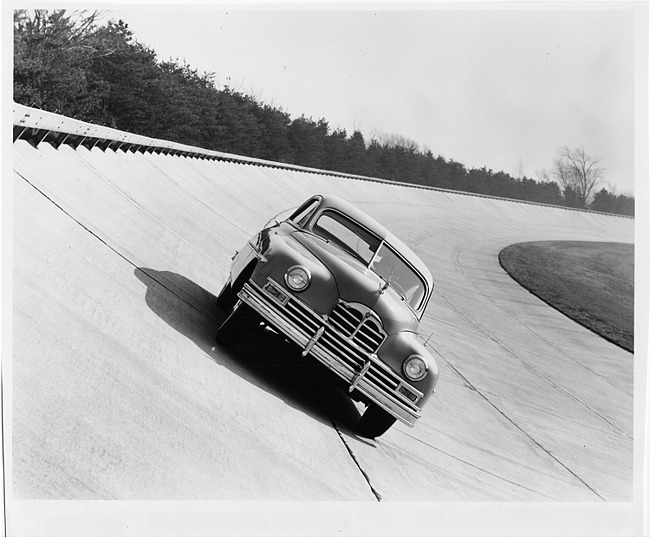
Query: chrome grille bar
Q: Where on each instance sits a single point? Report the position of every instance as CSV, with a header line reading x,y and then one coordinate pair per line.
x,y
361,328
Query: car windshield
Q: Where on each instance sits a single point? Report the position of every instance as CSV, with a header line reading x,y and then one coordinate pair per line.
x,y
373,253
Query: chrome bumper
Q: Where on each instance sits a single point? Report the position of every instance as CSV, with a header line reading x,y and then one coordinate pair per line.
x,y
364,372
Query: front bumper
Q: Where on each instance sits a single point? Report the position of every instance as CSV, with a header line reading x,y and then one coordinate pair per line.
x,y
363,371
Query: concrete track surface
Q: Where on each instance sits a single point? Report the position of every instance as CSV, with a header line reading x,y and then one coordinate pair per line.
x,y
119,393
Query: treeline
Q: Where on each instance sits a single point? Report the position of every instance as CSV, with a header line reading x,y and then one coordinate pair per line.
x,y
66,62
609,202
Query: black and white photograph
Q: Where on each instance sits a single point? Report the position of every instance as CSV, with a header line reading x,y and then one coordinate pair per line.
x,y
325,268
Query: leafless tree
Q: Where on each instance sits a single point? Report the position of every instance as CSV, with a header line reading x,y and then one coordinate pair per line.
x,y
576,172
395,140
520,169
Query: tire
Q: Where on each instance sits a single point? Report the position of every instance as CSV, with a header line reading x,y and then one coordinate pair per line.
x,y
236,325
375,422
227,298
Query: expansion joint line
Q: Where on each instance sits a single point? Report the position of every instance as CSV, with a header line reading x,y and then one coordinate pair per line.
x,y
477,467
524,432
505,348
529,328
65,212
356,462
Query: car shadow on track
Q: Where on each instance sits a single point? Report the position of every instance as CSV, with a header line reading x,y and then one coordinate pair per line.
x,y
263,358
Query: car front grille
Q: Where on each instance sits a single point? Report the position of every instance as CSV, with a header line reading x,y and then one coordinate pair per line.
x,y
361,328
346,340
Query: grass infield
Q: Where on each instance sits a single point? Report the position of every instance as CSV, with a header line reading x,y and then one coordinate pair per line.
x,y
591,283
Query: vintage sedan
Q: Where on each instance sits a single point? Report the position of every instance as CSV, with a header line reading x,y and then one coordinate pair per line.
x,y
350,294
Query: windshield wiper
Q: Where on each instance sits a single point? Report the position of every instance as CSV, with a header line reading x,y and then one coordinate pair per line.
x,y
386,283
309,232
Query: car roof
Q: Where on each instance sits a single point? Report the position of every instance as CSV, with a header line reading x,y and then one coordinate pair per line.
x,y
329,200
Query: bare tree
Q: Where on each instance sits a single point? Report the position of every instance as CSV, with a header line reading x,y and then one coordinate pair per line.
x,y
577,173
520,169
395,140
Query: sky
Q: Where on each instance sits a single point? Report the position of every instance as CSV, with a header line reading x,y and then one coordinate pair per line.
x,y
495,85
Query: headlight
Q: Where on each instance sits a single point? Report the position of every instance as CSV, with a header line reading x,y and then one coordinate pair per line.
x,y
415,368
297,278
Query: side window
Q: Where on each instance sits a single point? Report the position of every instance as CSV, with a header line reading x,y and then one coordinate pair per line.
x,y
302,214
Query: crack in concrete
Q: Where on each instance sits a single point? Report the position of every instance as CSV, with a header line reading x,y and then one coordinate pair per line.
x,y
356,462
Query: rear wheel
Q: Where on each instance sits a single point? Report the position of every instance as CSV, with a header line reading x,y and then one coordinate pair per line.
x,y
375,422
236,325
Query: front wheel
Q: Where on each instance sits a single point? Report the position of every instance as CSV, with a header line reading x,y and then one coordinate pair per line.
x,y
227,298
375,422
235,326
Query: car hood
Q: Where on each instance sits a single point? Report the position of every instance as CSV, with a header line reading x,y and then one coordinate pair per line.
x,y
356,283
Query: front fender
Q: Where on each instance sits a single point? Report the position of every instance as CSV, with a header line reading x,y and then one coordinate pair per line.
x,y
397,348
281,253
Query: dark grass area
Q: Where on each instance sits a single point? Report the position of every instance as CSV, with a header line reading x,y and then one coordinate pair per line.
x,y
591,283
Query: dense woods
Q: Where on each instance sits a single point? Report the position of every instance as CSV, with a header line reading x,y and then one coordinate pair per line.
x,y
69,63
